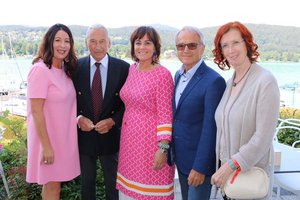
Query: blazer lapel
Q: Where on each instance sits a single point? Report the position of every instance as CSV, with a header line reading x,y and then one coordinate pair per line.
x,y
194,80
110,81
176,80
86,82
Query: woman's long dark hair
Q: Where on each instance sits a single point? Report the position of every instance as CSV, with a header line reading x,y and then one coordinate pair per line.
x,y
46,51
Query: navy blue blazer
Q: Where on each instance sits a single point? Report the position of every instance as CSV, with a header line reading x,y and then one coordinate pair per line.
x,y
194,127
93,143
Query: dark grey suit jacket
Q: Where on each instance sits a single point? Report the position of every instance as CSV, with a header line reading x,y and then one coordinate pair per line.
x,y
93,143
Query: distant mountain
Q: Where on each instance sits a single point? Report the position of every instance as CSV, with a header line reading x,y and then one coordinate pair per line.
x,y
276,43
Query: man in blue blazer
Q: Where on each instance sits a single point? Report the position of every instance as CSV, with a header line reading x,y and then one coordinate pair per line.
x,y
99,135
198,90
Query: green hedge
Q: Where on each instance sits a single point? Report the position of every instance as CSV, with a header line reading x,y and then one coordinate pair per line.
x,y
13,158
289,136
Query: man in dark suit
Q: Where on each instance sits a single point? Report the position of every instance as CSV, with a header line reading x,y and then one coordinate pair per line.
x,y
198,90
99,133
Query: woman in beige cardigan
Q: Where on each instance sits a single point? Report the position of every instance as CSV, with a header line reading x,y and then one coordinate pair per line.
x,y
247,114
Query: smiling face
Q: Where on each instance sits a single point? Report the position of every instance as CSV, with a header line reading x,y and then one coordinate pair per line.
x,y
189,56
144,49
61,47
234,48
98,43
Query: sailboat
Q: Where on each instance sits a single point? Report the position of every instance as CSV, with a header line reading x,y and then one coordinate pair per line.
x,y
4,53
12,94
3,91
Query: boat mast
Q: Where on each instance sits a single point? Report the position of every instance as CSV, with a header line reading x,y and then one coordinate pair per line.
x,y
4,54
13,55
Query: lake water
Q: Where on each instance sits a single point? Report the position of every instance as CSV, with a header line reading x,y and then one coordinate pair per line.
x,y
13,72
287,74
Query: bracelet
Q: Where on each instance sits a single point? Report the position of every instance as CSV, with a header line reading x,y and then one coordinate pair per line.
x,y
231,165
236,164
163,146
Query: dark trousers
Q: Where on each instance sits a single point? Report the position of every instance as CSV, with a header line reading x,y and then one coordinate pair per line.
x,y
226,198
109,164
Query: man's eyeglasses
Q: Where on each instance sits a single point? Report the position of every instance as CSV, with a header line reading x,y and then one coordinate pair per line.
x,y
191,46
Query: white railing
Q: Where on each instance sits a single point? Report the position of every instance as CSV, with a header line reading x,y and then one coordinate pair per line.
x,y
290,155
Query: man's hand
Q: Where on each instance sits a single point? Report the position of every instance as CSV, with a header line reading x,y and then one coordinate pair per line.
x,y
195,178
85,124
104,126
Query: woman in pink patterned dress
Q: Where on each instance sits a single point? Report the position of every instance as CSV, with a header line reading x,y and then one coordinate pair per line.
x,y
147,123
51,114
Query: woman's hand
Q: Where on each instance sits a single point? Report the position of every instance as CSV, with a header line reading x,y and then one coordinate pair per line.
x,y
47,155
220,177
37,108
160,160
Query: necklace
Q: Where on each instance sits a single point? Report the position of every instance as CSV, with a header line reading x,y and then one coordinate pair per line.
x,y
235,83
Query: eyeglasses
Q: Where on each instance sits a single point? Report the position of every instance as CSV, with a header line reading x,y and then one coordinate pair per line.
x,y
191,46
234,44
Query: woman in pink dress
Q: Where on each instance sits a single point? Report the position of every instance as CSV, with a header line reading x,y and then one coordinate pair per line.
x,y
51,114
147,123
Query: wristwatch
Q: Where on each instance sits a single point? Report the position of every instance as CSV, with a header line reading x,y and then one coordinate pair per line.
x,y
163,146
163,150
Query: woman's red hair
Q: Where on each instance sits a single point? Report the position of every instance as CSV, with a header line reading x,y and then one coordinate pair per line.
x,y
247,37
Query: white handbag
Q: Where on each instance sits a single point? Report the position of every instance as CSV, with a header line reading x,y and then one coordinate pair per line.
x,y
252,184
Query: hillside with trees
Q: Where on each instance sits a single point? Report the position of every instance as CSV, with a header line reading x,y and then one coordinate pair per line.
x,y
276,43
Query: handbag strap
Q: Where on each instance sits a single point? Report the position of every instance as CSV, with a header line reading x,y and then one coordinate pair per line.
x,y
236,173
238,169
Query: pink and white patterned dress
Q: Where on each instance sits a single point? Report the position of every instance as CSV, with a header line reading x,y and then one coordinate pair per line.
x,y
147,120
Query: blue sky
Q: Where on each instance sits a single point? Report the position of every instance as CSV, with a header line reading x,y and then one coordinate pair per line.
x,y
176,13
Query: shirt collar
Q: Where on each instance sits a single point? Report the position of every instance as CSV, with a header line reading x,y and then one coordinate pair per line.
x,y
192,71
104,61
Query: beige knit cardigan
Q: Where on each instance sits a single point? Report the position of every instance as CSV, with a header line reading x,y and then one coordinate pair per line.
x,y
250,123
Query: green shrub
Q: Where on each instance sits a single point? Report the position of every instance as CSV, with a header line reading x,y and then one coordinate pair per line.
x,y
286,113
289,136
71,189
15,126
14,158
